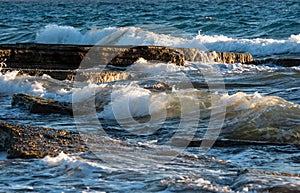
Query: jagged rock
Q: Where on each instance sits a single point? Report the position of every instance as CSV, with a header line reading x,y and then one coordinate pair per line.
x,y
101,77
196,55
231,57
158,53
36,142
41,105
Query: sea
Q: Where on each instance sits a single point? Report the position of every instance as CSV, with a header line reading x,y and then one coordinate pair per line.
x,y
142,126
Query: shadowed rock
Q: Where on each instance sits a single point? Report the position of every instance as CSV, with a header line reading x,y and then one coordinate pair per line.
x,y
36,142
41,105
285,62
70,57
156,53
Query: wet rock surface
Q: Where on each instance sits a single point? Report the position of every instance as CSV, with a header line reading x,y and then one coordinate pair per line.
x,y
230,57
150,53
41,105
36,142
61,61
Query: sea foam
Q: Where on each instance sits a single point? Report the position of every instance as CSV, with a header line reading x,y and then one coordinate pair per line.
x,y
55,34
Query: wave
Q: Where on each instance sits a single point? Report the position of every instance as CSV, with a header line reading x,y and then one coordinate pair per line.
x,y
261,118
248,117
55,34
43,86
256,47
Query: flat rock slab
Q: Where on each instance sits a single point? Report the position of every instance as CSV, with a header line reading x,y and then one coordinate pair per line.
x,y
69,57
37,142
41,105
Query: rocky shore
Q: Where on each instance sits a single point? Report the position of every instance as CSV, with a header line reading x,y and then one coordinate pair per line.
x,y
70,62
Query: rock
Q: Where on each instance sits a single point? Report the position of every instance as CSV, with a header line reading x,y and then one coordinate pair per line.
x,y
150,53
235,142
285,62
36,142
195,55
42,56
101,77
231,58
71,75
42,105
33,56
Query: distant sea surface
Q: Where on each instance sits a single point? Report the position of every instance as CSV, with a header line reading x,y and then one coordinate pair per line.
x,y
261,102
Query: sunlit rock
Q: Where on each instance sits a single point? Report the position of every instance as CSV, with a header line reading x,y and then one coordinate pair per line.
x,y
36,142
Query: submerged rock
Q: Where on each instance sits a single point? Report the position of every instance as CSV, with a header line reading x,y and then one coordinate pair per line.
x,y
41,105
36,142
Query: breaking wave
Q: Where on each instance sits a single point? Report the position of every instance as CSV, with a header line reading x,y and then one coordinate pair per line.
x,y
55,34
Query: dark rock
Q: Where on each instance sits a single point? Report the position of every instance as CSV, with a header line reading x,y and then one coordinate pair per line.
x,y
150,53
235,142
37,142
285,62
42,105
61,57
42,56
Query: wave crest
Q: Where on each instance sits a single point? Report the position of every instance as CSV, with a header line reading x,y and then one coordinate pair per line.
x,y
55,34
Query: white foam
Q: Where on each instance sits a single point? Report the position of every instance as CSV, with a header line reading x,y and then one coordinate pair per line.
x,y
257,46
238,68
62,158
44,86
132,98
138,36
134,101
242,101
69,35
107,36
74,164
154,69
10,83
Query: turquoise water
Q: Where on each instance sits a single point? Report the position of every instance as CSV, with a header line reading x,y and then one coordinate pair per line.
x,y
259,103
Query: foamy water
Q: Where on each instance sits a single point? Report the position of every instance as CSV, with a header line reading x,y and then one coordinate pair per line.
x,y
138,36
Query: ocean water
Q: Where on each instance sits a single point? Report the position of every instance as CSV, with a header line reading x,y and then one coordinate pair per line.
x,y
163,105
